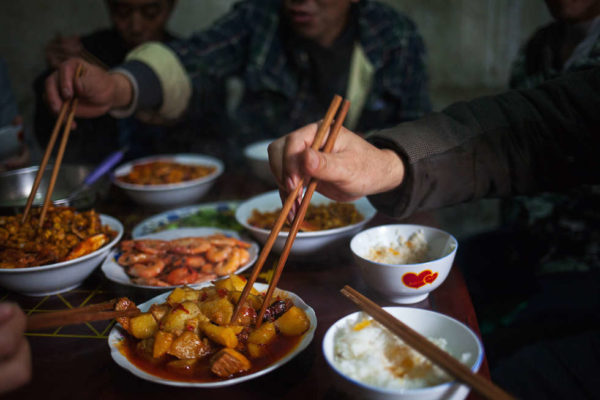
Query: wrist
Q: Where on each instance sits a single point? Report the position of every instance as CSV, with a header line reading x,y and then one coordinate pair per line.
x,y
393,169
123,91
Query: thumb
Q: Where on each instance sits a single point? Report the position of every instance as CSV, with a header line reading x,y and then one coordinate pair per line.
x,y
322,166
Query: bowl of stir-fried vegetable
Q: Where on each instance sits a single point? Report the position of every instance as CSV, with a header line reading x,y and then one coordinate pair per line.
x,y
325,221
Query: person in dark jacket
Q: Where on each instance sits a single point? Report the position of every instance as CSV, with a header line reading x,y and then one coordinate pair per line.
x,y
519,142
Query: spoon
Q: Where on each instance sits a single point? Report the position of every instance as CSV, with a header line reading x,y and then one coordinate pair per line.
x,y
102,169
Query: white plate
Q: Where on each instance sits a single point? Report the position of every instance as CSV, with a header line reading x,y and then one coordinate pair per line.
x,y
117,334
305,242
158,222
113,271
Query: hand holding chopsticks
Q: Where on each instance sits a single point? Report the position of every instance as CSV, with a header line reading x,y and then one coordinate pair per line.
x,y
291,198
418,342
94,312
69,106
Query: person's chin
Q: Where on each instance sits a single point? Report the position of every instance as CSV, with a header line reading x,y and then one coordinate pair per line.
x,y
306,31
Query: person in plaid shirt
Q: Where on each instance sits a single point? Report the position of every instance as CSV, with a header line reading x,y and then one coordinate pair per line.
x,y
292,57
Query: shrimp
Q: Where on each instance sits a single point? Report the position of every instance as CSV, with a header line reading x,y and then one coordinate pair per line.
x,y
150,282
189,261
230,265
222,240
182,276
127,245
130,258
148,270
152,246
216,254
189,245
244,256
88,245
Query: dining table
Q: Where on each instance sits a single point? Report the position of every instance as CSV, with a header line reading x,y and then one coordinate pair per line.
x,y
74,362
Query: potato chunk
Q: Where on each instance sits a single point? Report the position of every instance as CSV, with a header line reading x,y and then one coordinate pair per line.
x,y
293,322
143,326
263,335
159,310
175,320
229,362
256,350
181,294
234,283
222,335
218,310
188,345
162,343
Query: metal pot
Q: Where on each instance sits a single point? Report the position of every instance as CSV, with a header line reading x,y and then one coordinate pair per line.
x,y
15,187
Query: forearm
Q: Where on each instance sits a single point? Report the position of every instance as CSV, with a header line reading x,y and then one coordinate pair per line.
x,y
155,81
516,143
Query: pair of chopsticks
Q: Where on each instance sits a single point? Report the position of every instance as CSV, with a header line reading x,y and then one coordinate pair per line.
x,y
321,132
421,344
95,312
69,106
92,59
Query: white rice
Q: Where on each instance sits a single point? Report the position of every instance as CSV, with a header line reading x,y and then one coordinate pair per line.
x,y
366,351
411,251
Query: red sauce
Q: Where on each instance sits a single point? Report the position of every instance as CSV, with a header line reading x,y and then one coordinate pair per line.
x,y
200,372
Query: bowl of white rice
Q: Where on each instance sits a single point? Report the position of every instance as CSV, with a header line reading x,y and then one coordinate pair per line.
x,y
368,361
404,262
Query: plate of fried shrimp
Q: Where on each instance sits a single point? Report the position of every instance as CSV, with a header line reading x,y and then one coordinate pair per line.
x,y
184,256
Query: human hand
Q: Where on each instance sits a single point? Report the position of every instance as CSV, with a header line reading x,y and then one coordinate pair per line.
x,y
22,158
61,48
97,90
353,169
15,356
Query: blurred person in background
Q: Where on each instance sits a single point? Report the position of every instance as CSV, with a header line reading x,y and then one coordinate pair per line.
x,y
291,56
134,22
9,116
516,143
550,240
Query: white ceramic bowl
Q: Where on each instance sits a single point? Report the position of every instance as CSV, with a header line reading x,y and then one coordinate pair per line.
x,y
460,341
116,335
175,194
257,156
59,277
305,242
404,283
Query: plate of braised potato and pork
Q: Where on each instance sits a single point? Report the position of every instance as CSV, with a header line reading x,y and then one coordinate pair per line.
x,y
186,337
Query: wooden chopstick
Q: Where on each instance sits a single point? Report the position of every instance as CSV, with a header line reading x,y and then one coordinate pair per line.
x,y
45,158
299,217
421,344
92,59
287,206
71,106
94,312
57,162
